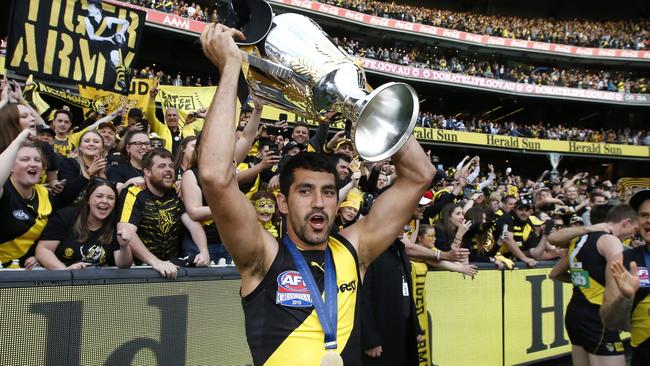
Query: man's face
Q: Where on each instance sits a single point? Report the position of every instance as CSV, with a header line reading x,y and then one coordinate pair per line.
x,y
311,206
382,181
572,193
46,137
599,201
108,134
244,117
418,213
343,169
171,117
629,229
523,213
61,124
644,221
508,205
161,173
300,134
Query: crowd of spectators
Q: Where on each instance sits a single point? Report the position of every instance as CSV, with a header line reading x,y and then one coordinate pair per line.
x,y
191,10
97,185
172,78
498,67
461,122
624,34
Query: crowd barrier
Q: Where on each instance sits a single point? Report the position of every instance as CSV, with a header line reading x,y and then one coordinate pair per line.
x,y
122,317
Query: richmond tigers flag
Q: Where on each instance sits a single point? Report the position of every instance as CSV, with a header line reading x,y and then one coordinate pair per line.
x,y
74,41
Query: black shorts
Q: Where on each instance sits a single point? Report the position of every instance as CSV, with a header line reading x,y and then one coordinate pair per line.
x,y
585,329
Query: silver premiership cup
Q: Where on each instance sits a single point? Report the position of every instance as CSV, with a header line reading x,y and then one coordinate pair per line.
x,y
301,70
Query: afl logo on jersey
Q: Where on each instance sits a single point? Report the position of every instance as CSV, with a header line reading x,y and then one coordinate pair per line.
x,y
21,215
292,291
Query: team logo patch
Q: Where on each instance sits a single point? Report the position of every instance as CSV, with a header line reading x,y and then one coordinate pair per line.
x,y
21,215
292,291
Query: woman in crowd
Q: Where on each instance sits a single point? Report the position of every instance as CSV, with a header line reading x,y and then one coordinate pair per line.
x,y
197,210
76,238
136,144
24,203
427,238
267,213
16,117
480,241
451,228
184,157
77,172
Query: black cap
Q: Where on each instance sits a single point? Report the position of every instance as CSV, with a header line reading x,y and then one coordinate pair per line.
x,y
45,129
290,145
524,202
638,198
135,113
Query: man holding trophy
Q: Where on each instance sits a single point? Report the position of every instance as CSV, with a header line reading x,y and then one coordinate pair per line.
x,y
301,294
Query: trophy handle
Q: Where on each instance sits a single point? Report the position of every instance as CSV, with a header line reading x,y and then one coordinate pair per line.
x,y
267,66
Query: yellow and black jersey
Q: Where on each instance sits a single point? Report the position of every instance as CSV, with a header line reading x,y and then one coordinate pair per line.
x,y
23,220
640,322
523,233
281,323
587,268
64,148
158,219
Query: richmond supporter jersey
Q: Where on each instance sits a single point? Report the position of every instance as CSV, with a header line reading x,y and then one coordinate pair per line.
x,y
587,269
281,323
64,148
641,310
23,220
158,219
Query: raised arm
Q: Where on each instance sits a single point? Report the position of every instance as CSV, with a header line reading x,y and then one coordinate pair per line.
x,y
8,156
562,238
251,247
620,288
243,145
375,232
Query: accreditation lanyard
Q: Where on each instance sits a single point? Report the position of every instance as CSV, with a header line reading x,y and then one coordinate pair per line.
x,y
326,310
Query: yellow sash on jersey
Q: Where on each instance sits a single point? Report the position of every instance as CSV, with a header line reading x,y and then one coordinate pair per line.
x,y
19,246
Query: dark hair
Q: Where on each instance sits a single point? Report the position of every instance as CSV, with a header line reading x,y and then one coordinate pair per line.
x,y
337,157
423,229
126,140
9,125
444,224
480,231
597,194
181,151
266,194
107,231
62,111
505,199
301,124
621,212
147,159
312,161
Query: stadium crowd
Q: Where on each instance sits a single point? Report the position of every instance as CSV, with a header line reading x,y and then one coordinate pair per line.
x,y
498,67
622,34
112,172
462,122
625,34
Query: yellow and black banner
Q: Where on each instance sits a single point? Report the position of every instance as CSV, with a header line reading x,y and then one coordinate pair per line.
x,y
86,42
106,101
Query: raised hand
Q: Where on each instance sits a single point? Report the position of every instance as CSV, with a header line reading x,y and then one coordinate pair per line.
x,y
628,282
